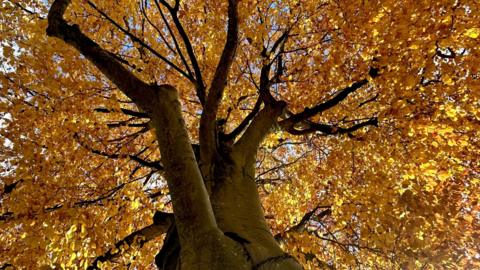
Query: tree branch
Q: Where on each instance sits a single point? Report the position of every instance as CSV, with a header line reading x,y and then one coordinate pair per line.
x,y
124,111
265,80
289,123
10,187
191,204
102,197
219,81
261,125
161,223
138,91
6,266
146,163
232,135
265,84
127,123
179,50
188,46
27,11
331,129
281,166
159,32
317,109
141,42
8,215
300,226
372,99
208,130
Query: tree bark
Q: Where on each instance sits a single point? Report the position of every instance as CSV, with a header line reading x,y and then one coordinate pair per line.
x,y
236,204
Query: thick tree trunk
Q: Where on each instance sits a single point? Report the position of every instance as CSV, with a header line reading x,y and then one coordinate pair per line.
x,y
236,205
202,243
239,215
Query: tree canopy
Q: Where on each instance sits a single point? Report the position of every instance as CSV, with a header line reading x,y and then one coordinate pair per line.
x,y
372,160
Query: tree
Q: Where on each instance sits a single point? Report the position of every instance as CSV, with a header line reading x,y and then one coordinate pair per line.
x,y
239,134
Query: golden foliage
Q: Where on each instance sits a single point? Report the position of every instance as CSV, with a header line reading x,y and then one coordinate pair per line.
x,y
404,194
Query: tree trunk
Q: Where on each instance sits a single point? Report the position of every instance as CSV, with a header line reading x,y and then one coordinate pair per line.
x,y
239,215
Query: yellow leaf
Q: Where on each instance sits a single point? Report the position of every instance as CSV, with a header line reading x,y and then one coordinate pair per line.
x,y
408,176
135,204
451,112
468,218
378,17
71,231
428,169
83,231
472,32
448,80
72,258
339,202
447,20
444,175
